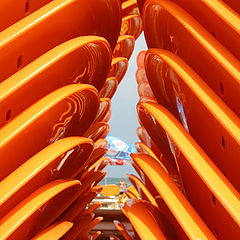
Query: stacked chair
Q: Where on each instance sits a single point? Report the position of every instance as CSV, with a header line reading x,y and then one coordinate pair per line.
x,y
61,62
189,148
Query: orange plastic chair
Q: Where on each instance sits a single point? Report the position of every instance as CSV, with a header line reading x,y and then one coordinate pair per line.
x,y
105,104
95,235
184,93
99,151
78,226
93,207
142,189
131,25
146,220
234,4
89,227
219,199
78,207
60,114
44,29
12,11
92,180
23,221
158,143
109,88
100,164
169,25
218,19
56,161
124,47
183,212
98,130
118,68
55,231
129,7
121,228
56,68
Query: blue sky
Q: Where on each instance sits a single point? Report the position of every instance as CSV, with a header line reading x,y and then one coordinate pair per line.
x,y
124,121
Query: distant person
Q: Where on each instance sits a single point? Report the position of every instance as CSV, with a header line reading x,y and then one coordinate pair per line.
x,y
122,186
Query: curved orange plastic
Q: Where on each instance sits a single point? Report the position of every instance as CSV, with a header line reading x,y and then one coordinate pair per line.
x,y
55,231
44,29
78,207
131,25
198,170
146,220
90,226
143,188
124,47
184,93
109,88
121,228
55,116
97,131
158,143
129,7
92,180
56,68
12,11
187,217
93,207
53,162
218,19
95,235
105,104
118,68
167,26
78,226
23,220
99,150
234,4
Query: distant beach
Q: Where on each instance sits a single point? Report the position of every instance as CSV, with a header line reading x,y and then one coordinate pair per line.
x,y
114,181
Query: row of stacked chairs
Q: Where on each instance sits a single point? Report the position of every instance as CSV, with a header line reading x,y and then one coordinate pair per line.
x,y
61,62
189,108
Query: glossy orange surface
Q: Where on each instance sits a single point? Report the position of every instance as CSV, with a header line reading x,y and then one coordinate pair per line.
x,y
55,231
97,131
12,11
187,217
109,88
78,207
100,149
129,7
105,104
57,68
92,180
124,47
23,221
55,116
93,207
135,180
218,67
234,4
219,199
89,227
18,49
184,93
121,228
78,227
131,25
218,19
58,160
118,68
146,220
95,235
